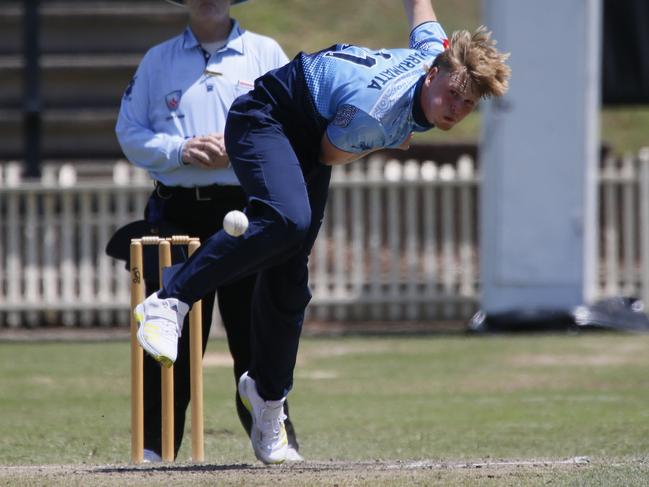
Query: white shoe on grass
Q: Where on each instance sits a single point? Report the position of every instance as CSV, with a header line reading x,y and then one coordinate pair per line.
x,y
268,435
160,324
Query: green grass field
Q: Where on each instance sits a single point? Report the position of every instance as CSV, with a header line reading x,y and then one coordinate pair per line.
x,y
310,25
420,410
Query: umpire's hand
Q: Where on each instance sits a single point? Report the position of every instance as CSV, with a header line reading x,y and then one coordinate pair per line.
x,y
207,152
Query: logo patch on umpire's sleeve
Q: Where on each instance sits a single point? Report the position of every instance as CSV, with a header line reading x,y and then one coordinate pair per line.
x,y
345,115
173,100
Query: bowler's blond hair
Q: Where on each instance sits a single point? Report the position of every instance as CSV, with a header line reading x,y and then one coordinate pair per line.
x,y
476,60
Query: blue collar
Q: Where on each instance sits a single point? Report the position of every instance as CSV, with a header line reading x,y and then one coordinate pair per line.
x,y
234,40
417,113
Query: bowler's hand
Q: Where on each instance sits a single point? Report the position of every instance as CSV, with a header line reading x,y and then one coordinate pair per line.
x,y
207,152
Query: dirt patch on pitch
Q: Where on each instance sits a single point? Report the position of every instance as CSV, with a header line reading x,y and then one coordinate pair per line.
x,y
612,355
379,473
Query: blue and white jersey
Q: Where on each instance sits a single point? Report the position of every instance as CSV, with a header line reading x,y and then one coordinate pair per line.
x,y
368,95
180,92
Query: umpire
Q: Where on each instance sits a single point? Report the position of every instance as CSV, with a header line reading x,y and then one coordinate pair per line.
x,y
171,123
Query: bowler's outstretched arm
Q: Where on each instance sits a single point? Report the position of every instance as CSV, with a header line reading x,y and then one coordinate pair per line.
x,y
418,12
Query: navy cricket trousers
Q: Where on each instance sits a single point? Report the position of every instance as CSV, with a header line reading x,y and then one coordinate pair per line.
x,y
287,195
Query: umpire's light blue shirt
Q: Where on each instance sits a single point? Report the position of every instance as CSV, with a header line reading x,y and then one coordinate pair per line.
x,y
179,92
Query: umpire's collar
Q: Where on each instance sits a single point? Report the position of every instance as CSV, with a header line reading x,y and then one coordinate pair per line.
x,y
234,41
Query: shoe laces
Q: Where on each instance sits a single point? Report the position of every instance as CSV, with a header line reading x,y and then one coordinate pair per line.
x,y
272,419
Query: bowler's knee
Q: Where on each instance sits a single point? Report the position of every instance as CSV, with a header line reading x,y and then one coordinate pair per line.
x,y
298,224
290,228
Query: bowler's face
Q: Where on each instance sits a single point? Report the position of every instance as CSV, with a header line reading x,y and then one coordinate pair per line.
x,y
446,98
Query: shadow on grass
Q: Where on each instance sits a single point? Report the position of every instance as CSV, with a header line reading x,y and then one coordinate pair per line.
x,y
346,465
202,468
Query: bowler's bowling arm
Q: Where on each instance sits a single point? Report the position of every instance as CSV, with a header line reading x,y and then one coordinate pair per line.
x,y
418,12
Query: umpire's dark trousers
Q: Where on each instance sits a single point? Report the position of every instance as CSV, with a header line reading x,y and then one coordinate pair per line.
x,y
273,139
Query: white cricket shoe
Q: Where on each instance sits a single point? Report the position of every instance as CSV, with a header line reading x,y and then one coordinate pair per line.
x,y
268,435
160,325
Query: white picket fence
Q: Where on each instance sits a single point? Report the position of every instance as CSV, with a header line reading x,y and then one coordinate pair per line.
x,y
399,242
624,230
53,268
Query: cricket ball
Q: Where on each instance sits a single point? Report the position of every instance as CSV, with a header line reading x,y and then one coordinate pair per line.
x,y
235,223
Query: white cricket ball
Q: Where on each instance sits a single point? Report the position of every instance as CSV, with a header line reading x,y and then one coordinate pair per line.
x,y
235,223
